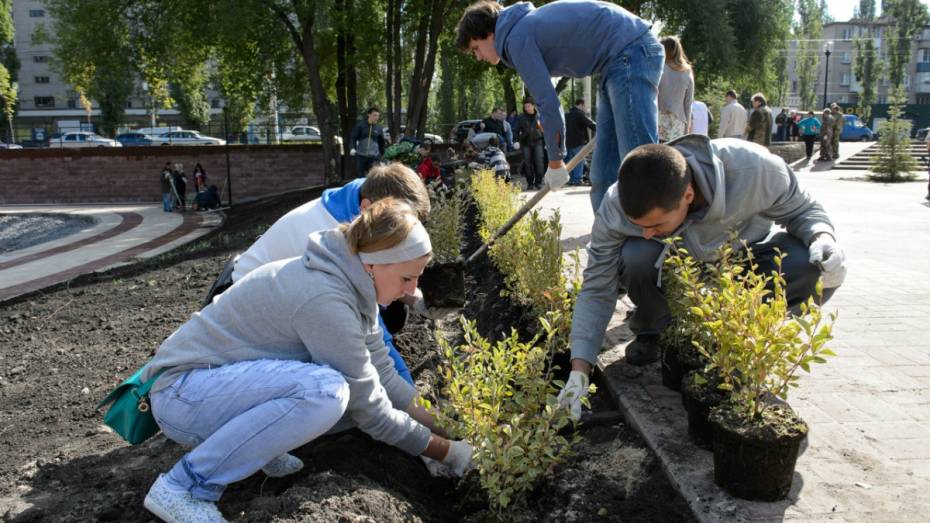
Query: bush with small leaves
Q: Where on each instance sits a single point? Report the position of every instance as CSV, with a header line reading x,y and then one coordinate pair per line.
x,y
759,346
501,397
445,223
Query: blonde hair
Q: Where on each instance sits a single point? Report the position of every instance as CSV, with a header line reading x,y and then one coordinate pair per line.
x,y
396,180
382,225
675,55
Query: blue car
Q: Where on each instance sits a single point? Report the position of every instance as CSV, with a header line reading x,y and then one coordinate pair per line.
x,y
134,139
856,131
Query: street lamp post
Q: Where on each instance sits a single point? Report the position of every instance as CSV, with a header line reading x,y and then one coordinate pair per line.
x,y
827,50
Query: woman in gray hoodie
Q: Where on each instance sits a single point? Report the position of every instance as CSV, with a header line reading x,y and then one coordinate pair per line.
x,y
284,355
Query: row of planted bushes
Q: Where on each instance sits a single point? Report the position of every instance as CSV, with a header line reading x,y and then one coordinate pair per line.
x,y
501,395
735,349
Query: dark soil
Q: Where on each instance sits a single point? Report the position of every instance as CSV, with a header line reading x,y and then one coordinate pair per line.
x,y
63,349
22,230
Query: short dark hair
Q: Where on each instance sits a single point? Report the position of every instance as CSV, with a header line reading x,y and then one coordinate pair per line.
x,y
810,113
732,94
492,141
373,109
652,176
579,101
477,23
759,97
529,100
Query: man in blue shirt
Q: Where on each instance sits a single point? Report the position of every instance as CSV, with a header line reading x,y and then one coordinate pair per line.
x,y
576,38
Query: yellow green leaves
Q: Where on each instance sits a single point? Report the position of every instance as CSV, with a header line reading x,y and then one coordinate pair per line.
x,y
445,224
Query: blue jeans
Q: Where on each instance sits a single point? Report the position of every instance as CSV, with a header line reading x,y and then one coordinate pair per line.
x,y
627,110
166,201
238,417
399,365
638,274
576,174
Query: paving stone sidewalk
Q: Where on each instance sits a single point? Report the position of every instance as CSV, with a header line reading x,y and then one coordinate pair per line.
x,y
868,454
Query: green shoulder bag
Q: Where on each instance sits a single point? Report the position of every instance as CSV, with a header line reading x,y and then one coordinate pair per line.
x,y
131,413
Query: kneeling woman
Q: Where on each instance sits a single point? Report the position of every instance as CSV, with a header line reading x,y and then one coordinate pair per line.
x,y
283,355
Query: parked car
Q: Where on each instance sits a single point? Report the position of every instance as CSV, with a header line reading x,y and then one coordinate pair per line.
x,y
81,139
921,135
134,139
305,133
460,132
186,138
10,146
856,131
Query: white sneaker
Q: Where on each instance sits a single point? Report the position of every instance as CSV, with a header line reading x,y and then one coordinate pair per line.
x,y
283,465
179,507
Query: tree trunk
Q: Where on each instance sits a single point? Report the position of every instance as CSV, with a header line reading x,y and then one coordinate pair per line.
x,y
425,66
321,104
341,69
398,71
510,97
389,35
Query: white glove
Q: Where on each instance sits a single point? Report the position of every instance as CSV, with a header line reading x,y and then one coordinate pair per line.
x,y
516,146
575,388
826,254
436,468
556,178
459,459
352,152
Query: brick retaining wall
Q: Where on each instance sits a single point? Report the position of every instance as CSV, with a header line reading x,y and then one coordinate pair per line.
x,y
131,174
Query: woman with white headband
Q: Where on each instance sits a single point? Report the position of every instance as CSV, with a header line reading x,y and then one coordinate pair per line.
x,y
286,353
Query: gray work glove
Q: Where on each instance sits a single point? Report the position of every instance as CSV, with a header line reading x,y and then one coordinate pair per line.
x,y
829,257
556,178
574,390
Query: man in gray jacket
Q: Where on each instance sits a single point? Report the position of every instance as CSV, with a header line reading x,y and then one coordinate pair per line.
x,y
699,190
732,118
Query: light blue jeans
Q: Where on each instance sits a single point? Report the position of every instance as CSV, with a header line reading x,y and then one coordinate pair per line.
x,y
576,174
238,417
627,110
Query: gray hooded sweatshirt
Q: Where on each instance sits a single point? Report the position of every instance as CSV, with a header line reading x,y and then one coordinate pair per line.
x,y
320,308
746,188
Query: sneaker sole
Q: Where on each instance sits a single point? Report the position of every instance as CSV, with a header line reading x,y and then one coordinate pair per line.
x,y
154,508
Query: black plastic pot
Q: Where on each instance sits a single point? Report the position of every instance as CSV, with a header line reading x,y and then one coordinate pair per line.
x,y
672,373
676,361
443,285
756,460
698,400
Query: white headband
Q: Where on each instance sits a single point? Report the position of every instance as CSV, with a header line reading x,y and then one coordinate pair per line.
x,y
414,246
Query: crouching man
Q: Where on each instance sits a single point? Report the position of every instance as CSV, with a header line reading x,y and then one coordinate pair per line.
x,y
700,190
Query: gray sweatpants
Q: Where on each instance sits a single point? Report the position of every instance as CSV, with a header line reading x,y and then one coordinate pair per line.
x,y
638,275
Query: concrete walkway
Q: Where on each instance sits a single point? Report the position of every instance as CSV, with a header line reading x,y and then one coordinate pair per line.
x,y
868,454
121,234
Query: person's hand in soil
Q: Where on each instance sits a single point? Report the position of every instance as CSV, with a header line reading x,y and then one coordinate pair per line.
x,y
572,393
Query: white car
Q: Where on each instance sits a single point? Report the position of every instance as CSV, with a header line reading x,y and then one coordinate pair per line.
x,y
81,139
186,138
305,133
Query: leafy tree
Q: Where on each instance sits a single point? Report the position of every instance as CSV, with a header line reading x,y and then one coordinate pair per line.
x,y
9,65
808,31
866,66
909,16
98,63
894,162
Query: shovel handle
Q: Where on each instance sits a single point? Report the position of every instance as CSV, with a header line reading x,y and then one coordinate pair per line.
x,y
540,194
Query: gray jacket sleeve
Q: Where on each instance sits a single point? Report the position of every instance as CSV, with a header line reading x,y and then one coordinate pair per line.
x,y
598,297
330,328
791,206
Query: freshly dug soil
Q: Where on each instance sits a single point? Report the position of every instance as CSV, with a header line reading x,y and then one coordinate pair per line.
x,y
22,230
65,348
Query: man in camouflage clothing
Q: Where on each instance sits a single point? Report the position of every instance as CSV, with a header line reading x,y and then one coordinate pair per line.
x,y
826,136
839,120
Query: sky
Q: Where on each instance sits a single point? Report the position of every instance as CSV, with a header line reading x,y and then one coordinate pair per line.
x,y
842,10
